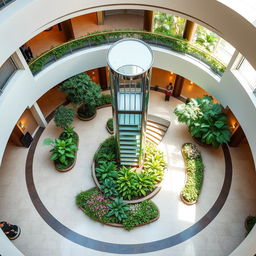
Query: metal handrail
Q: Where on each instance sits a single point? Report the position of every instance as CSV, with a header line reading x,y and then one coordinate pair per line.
x,y
134,32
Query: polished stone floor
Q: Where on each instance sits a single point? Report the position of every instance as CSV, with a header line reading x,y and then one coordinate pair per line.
x,y
57,192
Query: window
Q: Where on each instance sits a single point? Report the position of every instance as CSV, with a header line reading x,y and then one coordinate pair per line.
x,y
168,24
6,71
247,72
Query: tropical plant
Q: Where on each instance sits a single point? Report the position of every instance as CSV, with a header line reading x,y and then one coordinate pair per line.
x,y
63,116
63,150
205,120
144,182
82,90
168,24
108,188
206,38
118,208
110,124
106,170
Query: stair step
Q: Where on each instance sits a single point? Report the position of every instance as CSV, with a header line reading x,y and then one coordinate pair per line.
x,y
129,143
129,164
159,120
134,156
152,139
130,138
155,130
155,135
131,133
129,119
126,151
129,128
157,126
124,147
124,159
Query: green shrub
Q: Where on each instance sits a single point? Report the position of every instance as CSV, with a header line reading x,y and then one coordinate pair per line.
x,y
69,133
195,170
205,120
82,90
110,124
108,188
106,170
105,99
64,116
139,214
108,147
63,151
118,209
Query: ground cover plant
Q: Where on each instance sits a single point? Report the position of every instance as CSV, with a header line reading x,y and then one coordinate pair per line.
x,y
114,211
195,172
205,120
110,124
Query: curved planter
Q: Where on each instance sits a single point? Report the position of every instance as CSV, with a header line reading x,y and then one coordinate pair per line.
x,y
147,197
186,175
118,225
72,165
88,118
111,132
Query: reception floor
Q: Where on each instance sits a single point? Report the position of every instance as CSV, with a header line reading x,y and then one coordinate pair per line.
x,y
42,201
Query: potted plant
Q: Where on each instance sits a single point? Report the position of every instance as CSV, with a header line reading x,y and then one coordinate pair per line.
x,y
63,153
110,126
205,120
63,116
82,91
156,87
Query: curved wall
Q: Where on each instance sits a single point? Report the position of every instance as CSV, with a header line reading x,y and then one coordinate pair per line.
x,y
229,24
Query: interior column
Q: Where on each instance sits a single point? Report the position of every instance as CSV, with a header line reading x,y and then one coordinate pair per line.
x,y
189,30
178,85
148,21
38,115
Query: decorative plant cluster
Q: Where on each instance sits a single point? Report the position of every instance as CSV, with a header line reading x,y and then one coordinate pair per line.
x,y
126,182
195,172
176,43
110,125
65,147
205,120
82,92
100,208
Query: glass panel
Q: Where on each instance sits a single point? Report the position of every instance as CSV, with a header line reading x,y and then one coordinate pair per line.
x,y
6,70
224,51
248,73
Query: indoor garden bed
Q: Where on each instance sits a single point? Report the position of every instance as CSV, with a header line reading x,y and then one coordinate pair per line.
x,y
132,184
110,126
194,173
115,212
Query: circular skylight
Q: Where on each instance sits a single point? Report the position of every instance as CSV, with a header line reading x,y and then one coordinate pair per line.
x,y
130,57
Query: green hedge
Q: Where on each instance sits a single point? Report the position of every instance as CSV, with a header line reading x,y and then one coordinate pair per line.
x,y
195,172
98,38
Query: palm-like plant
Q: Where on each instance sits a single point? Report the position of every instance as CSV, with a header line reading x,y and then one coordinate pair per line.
x,y
205,120
62,151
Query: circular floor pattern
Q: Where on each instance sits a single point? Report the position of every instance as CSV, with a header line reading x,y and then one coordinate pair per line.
x,y
125,248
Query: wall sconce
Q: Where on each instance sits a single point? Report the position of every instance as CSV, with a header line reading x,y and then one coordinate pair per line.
x,y
234,126
22,126
191,83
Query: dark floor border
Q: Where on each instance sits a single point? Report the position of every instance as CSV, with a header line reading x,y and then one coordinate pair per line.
x,y
126,248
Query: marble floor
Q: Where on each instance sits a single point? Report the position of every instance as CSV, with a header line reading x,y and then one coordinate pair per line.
x,y
57,192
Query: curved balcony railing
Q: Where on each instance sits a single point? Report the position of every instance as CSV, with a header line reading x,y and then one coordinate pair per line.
x,y
107,37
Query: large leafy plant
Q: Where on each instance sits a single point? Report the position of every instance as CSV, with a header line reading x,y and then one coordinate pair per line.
x,y
64,116
106,170
63,150
205,120
118,208
82,90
